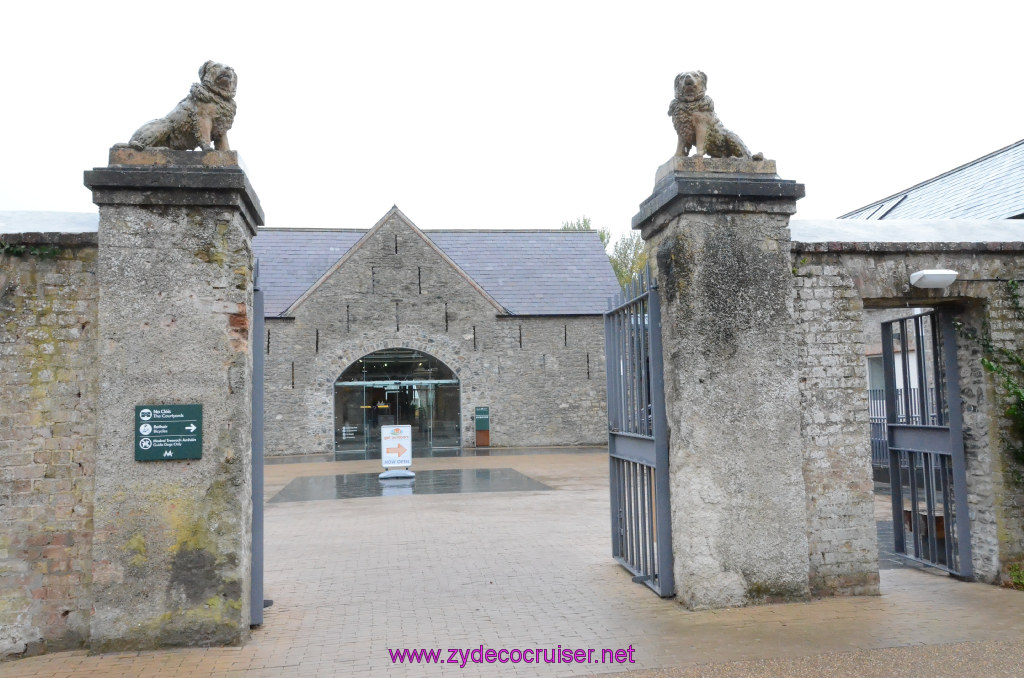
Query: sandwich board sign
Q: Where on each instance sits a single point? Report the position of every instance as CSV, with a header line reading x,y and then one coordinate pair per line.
x,y
396,451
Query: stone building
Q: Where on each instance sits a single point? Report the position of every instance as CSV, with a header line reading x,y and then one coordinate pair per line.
x,y
396,325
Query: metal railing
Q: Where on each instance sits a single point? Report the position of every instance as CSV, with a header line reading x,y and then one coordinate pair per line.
x,y
924,435
877,414
637,436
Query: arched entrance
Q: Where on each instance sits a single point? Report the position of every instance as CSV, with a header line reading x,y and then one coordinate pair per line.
x,y
391,387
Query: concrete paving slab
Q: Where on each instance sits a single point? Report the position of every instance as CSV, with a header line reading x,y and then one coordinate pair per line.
x,y
354,579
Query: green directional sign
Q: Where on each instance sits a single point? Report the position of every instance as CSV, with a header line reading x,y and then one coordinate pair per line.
x,y
168,432
483,419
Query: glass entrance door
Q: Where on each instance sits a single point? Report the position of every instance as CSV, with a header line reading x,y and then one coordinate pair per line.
x,y
396,387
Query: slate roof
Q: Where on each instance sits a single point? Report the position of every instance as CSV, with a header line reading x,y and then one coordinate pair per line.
x,y
991,187
535,272
527,272
291,260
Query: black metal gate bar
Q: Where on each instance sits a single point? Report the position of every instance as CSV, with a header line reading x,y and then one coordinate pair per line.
x,y
256,339
924,433
637,440
951,381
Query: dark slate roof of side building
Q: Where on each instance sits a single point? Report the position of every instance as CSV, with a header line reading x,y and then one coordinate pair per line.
x,y
991,187
291,260
527,272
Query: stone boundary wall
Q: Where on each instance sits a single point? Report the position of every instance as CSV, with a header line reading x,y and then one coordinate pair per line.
x,y
842,544
48,394
833,284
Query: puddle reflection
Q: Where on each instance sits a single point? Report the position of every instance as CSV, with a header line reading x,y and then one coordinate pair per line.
x,y
439,481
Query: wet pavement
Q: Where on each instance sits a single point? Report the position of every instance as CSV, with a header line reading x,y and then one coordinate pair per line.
x,y
440,481
355,579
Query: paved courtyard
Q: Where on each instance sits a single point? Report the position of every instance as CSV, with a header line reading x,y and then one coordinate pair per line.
x,y
353,578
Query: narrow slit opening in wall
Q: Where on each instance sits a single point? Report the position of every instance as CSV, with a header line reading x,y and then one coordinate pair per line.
x,y
268,342
588,366
565,337
520,336
373,280
446,316
348,320
396,243
316,348
396,314
419,279
293,375
474,337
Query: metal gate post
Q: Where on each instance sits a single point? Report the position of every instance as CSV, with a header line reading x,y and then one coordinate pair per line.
x,y
895,479
956,428
610,364
256,591
666,572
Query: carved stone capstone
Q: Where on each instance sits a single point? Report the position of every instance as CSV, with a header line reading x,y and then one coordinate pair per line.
x,y
201,119
693,116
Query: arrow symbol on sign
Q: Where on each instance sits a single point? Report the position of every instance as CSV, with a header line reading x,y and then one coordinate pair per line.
x,y
399,450
191,428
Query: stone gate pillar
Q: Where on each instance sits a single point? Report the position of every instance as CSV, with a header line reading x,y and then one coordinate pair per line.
x,y
171,559
717,236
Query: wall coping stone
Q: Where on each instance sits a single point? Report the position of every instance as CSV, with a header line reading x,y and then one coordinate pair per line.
x,y
165,177
897,247
722,179
51,238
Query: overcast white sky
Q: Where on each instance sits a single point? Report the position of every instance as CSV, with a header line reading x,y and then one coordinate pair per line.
x,y
512,115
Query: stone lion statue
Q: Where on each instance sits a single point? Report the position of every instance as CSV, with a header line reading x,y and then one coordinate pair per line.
x,y
201,119
693,116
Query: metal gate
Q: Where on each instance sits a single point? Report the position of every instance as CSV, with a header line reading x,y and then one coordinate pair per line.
x,y
637,436
924,429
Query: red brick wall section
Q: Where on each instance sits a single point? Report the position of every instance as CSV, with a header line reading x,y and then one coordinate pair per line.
x,y
48,307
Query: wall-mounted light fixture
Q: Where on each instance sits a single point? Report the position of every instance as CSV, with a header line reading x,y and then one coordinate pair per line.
x,y
933,278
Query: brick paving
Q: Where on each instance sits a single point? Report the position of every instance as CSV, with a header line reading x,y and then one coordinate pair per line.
x,y
351,578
